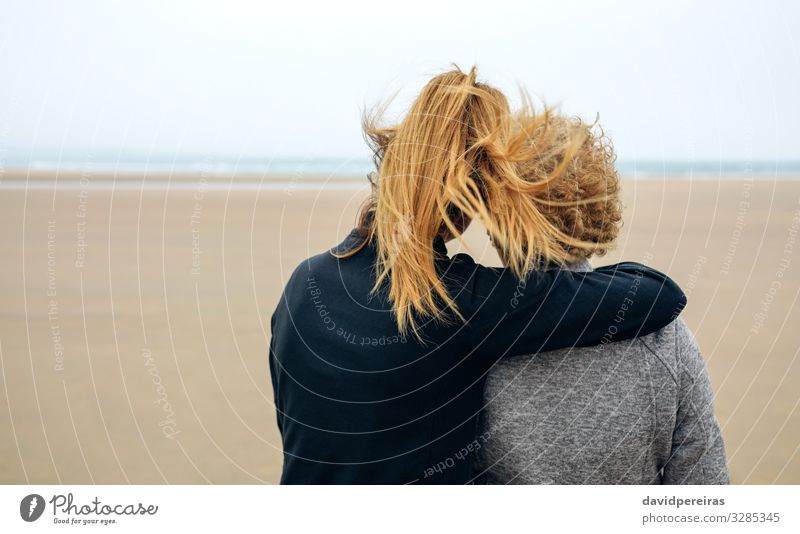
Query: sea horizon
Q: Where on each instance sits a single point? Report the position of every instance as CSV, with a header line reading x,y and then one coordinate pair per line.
x,y
314,172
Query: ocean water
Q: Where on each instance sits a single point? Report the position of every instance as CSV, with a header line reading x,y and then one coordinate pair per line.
x,y
709,169
315,173
360,167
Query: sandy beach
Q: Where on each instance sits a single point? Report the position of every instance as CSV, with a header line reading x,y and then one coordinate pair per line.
x,y
135,323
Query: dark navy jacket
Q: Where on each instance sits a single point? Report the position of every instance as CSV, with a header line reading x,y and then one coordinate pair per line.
x,y
359,403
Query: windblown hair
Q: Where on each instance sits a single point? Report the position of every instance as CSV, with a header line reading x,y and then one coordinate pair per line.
x,y
590,175
461,154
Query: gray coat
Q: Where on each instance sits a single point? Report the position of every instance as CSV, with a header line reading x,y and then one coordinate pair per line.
x,y
631,412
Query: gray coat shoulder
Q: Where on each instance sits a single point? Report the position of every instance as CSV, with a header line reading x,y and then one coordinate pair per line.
x,y
676,348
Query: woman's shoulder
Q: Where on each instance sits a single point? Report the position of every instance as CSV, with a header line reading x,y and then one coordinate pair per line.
x,y
675,347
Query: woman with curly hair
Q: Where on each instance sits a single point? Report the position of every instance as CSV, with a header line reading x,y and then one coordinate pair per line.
x,y
629,412
380,347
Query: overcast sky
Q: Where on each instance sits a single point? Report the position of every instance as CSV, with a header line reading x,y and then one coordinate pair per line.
x,y
685,80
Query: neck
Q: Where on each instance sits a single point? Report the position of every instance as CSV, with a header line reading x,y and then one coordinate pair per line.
x,y
579,265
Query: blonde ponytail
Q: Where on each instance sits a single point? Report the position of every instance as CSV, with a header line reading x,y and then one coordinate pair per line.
x,y
460,154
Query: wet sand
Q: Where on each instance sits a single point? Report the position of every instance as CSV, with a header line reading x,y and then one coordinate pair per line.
x,y
135,325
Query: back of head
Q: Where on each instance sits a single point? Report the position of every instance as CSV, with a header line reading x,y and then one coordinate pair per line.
x,y
584,201
460,154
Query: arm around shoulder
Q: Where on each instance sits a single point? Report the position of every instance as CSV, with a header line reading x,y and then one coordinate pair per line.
x,y
556,309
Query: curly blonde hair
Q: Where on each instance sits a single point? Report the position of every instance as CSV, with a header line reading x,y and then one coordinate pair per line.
x,y
584,201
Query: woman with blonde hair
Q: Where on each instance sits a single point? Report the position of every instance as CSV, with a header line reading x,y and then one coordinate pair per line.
x,y
380,347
